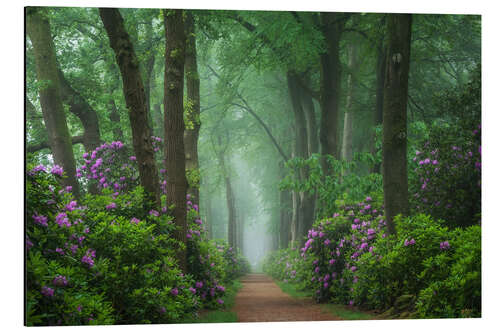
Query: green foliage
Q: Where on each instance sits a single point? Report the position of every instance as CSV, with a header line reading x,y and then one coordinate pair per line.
x,y
445,173
348,259
105,260
193,177
344,181
455,290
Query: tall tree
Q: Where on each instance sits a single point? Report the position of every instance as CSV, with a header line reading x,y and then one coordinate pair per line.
x,y
38,29
193,125
353,66
175,159
305,207
331,25
395,176
135,98
220,150
379,102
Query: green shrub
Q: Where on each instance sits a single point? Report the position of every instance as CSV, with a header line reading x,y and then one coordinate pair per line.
x,y
455,290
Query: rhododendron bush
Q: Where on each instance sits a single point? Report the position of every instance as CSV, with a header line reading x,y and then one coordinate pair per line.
x,y
106,259
350,259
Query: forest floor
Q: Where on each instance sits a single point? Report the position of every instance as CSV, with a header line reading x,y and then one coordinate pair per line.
x,y
261,300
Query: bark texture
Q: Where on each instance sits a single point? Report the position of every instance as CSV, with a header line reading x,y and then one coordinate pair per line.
x,y
395,176
175,159
135,98
353,66
82,109
379,102
285,198
38,29
331,25
149,64
305,201
192,131
114,116
310,114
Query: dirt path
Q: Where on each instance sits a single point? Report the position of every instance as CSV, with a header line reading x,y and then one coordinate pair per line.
x,y
261,300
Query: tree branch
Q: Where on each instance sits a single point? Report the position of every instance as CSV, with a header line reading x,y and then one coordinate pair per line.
x,y
45,144
247,107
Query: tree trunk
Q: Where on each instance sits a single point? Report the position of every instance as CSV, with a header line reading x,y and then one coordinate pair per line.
x,y
306,204
379,103
148,71
285,198
395,176
231,223
175,159
208,217
311,123
192,131
240,232
331,27
82,109
353,67
114,116
38,29
135,98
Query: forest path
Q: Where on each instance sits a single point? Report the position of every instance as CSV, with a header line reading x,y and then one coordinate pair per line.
x,y
261,300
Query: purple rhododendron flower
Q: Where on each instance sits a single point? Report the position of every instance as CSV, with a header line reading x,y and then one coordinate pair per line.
x,y
135,220
38,168
57,170
71,206
154,212
47,291
73,248
191,289
220,301
60,280
444,245
111,206
62,220
133,158
174,291
199,284
41,220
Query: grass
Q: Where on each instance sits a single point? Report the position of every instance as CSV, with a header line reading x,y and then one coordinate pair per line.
x,y
293,290
346,312
338,310
222,315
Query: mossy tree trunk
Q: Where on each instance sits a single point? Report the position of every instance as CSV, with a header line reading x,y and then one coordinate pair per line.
x,y
175,159
285,198
135,98
331,25
193,125
38,29
114,116
306,201
149,64
395,176
353,67
379,102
